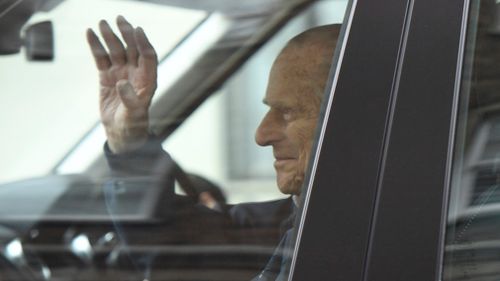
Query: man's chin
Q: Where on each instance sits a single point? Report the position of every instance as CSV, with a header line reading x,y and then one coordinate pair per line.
x,y
289,185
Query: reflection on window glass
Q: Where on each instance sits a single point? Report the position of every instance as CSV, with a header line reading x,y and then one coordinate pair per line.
x,y
41,99
473,229
206,119
227,122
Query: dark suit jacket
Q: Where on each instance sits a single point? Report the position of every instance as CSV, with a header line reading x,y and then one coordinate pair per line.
x,y
262,223
257,223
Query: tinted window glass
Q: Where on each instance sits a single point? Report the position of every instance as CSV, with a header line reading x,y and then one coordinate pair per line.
x,y
473,224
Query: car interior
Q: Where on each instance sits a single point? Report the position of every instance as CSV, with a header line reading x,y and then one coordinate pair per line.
x,y
63,215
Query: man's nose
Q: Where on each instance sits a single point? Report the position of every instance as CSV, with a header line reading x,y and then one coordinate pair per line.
x,y
268,131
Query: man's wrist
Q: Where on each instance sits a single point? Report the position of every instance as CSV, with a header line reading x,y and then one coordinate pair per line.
x,y
126,147
119,142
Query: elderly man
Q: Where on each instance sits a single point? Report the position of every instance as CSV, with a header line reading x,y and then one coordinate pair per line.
x,y
295,89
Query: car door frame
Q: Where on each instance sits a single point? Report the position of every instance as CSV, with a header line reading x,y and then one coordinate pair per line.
x,y
376,202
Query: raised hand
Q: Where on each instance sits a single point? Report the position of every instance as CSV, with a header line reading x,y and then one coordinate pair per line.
x,y
127,76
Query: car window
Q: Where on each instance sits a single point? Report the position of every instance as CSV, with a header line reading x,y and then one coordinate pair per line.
x,y
473,215
56,96
228,120
201,181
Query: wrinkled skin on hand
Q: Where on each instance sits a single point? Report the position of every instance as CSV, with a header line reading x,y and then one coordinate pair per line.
x,y
127,76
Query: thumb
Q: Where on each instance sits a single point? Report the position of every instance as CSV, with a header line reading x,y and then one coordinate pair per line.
x,y
127,93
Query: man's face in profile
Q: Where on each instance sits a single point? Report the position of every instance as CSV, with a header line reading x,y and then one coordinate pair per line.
x,y
293,96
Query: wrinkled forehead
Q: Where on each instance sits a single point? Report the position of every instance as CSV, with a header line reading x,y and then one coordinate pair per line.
x,y
294,69
291,87
305,64
298,77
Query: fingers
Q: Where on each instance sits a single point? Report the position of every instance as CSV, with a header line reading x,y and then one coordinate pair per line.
x,y
147,58
139,51
127,94
116,50
98,52
127,31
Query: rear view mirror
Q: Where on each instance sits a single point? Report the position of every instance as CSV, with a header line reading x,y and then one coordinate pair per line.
x,y
39,42
37,38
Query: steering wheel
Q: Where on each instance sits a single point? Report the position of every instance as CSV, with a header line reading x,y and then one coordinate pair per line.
x,y
199,189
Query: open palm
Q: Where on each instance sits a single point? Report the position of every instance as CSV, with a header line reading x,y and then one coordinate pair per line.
x,y
128,81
